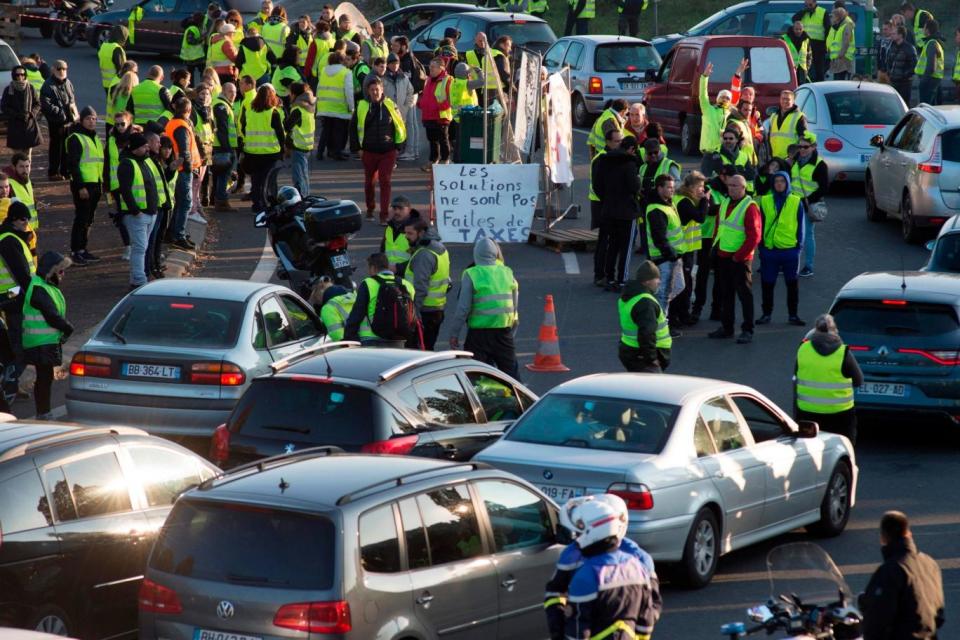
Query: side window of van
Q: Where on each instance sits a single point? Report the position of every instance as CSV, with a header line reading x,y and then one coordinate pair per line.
x,y
769,65
736,25
684,65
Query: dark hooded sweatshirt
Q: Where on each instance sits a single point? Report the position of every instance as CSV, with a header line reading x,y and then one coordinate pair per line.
x,y
825,344
11,251
617,184
644,314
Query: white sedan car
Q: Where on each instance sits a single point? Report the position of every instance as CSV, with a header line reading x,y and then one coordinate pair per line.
x,y
705,466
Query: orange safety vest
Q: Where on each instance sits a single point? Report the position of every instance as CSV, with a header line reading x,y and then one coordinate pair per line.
x,y
173,125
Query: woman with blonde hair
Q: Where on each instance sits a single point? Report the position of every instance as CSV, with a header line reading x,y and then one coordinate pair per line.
x,y
261,128
202,119
692,202
119,94
212,80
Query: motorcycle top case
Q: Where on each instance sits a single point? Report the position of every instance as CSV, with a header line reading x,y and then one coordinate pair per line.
x,y
327,219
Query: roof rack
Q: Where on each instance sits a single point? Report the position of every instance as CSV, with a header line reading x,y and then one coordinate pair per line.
x,y
272,461
283,363
393,372
77,432
404,479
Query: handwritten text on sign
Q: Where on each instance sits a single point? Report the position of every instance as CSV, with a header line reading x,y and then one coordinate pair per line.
x,y
493,201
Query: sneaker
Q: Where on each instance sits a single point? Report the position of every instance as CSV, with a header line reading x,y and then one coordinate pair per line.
x,y
78,259
89,257
719,334
197,217
675,333
796,321
44,416
126,253
600,282
745,338
693,320
764,319
369,214
614,287
806,272
183,243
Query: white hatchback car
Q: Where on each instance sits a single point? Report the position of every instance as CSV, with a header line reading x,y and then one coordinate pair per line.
x,y
705,466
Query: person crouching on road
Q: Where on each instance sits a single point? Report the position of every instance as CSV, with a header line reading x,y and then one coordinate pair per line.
x,y
645,340
139,202
488,303
783,216
826,374
395,243
45,326
335,305
429,273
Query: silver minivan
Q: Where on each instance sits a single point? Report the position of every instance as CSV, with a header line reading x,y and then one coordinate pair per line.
x,y
915,172
353,546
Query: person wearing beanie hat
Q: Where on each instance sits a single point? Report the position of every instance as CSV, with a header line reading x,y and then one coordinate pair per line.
x,y
17,266
336,305
58,102
139,203
45,326
645,340
85,162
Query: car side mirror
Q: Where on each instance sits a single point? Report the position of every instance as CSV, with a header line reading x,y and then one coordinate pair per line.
x,y
877,141
930,244
807,429
650,75
261,220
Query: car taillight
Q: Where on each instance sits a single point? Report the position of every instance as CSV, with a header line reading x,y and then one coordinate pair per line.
x,y
156,598
833,145
895,302
220,444
224,374
595,85
945,357
637,496
315,617
933,164
858,347
393,447
90,365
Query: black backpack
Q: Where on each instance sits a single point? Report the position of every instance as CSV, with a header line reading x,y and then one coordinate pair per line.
x,y
395,315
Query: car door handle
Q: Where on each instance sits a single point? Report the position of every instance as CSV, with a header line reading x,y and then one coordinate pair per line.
x,y
425,598
718,475
450,450
509,583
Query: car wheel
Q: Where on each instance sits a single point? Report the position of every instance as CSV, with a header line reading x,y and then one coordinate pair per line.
x,y
835,508
689,138
701,552
46,29
96,37
874,213
581,117
65,34
908,224
53,620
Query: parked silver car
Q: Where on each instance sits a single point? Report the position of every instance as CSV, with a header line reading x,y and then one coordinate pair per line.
x,y
915,173
174,356
602,68
705,466
352,546
844,115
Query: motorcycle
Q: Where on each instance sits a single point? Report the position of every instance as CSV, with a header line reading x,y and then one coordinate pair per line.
x,y
801,574
72,17
310,237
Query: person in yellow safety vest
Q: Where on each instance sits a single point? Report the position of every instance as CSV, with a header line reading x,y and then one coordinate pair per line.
x,y
436,113
301,36
809,179
224,145
85,161
150,98
787,125
645,341
537,7
628,16
262,132
378,133
664,240
706,260
17,266
816,23
358,323
376,46
345,30
5,201
956,63
45,326
713,118
463,93
613,117
597,221
656,163
254,56
616,183
301,126
276,31
20,185
335,104
488,304
429,273
266,10
783,217
286,73
798,43
394,243
111,55
221,52
202,120
579,15
213,13
477,58
916,20
336,303
692,204
825,377
732,153
319,52
929,69
841,44
36,68
191,45
139,201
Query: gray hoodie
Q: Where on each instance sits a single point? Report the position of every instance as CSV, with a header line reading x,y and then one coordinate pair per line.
x,y
486,252
423,264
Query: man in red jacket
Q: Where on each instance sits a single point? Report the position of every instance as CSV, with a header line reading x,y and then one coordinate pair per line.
x,y
436,112
739,227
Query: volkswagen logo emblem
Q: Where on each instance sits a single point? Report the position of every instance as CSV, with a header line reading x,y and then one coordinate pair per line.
x,y
547,474
225,609
883,351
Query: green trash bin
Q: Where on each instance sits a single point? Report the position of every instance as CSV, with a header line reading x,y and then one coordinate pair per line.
x,y
470,135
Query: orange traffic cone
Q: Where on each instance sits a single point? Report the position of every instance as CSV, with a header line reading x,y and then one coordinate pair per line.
x,y
548,353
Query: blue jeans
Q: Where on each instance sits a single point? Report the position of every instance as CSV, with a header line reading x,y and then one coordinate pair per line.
x,y
666,276
182,203
300,163
139,228
809,243
222,175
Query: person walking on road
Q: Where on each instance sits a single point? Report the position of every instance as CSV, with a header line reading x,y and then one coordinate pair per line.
x,y
810,180
488,304
378,132
429,273
596,215
85,160
739,227
20,105
645,340
358,325
929,68
901,63
904,598
617,185
45,326
58,102
139,201
825,376
783,216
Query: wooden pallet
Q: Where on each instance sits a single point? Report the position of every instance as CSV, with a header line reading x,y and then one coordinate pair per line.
x,y
10,25
561,240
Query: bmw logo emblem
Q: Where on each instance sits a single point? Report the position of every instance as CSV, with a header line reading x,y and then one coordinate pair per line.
x,y
547,474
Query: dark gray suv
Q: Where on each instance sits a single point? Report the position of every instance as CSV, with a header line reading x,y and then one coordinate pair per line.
x,y
352,546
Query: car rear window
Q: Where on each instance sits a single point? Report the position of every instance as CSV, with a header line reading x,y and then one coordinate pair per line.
x,y
950,143
246,545
611,424
876,317
523,32
175,322
864,107
625,57
305,411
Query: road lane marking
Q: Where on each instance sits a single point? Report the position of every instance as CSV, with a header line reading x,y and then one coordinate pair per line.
x,y
570,263
267,264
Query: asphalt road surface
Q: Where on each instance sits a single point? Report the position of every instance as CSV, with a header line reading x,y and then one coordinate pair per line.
x,y
912,467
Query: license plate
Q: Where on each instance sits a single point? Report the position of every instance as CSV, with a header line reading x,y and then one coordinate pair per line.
x,y
883,389
632,86
135,370
207,634
561,494
865,157
340,261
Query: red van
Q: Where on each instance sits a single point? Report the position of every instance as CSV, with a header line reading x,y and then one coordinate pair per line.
x,y
672,98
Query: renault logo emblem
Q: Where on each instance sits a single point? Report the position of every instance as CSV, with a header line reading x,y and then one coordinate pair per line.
x,y
225,609
883,352
547,474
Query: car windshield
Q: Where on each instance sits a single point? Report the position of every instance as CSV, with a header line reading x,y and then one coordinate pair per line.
x,y
891,318
950,144
8,59
170,321
864,107
946,254
610,424
523,32
626,57
246,545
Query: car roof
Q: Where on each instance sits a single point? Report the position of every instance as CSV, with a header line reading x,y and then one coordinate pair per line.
x,y
775,3
920,286
367,364
208,288
669,389
604,39
18,436
835,86
500,16
945,115
733,41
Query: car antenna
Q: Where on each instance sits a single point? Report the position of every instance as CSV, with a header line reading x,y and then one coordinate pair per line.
x,y
326,361
903,276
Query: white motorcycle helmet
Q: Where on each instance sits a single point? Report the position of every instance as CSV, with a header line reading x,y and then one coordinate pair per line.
x,y
288,196
595,518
